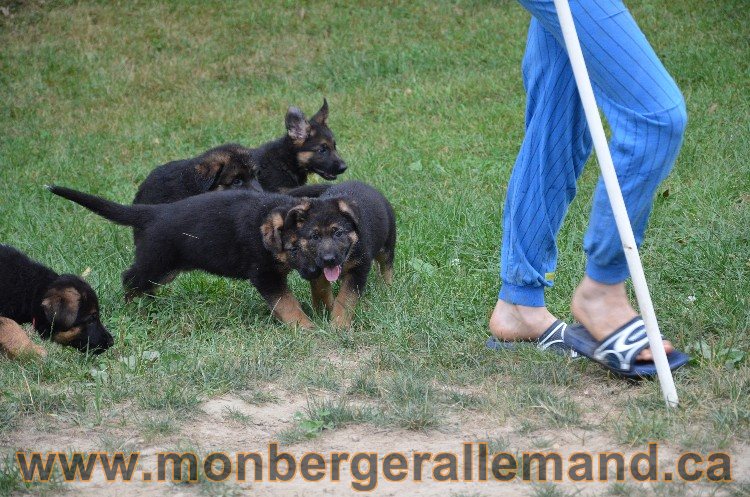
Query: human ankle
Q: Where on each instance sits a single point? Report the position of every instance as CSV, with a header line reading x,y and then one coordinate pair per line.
x,y
517,322
601,308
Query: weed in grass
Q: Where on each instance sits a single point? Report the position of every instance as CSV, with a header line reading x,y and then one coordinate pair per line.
x,y
112,443
171,393
527,426
320,374
411,401
541,443
739,489
731,419
231,414
671,489
550,490
218,489
324,415
365,383
258,397
415,414
158,425
619,489
8,414
637,425
558,410
496,444
456,398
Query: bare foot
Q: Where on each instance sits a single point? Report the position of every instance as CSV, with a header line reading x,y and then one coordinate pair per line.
x,y
511,322
604,308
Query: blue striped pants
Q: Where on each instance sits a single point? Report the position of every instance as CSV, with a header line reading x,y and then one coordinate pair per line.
x,y
646,114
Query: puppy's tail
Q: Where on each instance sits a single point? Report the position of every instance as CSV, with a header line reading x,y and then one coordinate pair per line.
x,y
127,215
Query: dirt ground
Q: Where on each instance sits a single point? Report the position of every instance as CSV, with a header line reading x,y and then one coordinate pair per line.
x,y
210,430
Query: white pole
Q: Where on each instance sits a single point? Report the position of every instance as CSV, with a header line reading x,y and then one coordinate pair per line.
x,y
615,198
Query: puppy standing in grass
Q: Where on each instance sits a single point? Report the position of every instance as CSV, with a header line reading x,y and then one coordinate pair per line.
x,y
218,232
308,147
63,308
337,235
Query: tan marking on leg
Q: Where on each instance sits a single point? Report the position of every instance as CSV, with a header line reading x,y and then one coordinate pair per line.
x,y
65,337
15,342
343,306
322,294
386,269
288,310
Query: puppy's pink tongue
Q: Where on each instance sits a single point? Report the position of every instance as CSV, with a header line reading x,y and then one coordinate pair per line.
x,y
332,273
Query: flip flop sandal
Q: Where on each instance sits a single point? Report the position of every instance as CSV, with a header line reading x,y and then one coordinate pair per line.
x,y
553,339
619,350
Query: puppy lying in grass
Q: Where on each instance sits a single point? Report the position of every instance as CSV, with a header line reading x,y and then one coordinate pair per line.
x,y
307,147
62,308
336,236
218,232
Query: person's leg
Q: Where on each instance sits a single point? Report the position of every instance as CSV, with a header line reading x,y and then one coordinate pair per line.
x,y
542,185
646,114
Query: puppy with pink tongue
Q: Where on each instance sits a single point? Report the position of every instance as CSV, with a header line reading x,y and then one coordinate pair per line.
x,y
332,273
337,236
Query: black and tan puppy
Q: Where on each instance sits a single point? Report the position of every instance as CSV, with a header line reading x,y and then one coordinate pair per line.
x,y
63,308
337,235
227,167
217,232
308,147
279,165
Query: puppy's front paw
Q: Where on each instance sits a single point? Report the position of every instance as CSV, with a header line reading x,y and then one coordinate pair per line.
x,y
306,324
341,317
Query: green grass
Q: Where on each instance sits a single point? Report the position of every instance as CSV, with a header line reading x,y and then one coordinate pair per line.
x,y
323,415
427,104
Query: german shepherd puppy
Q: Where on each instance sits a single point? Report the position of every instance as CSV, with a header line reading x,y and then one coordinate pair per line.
x,y
279,165
336,235
227,167
218,232
63,308
308,147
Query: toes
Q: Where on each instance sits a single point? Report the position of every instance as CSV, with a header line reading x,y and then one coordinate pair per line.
x,y
647,356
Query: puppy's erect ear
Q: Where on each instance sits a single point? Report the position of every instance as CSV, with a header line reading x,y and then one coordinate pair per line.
x,y
350,210
207,174
297,126
321,117
61,307
296,215
271,231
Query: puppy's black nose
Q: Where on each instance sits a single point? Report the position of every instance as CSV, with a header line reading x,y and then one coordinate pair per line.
x,y
341,167
329,260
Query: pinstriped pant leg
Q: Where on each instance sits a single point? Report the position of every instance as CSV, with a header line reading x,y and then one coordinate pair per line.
x,y
647,117
543,181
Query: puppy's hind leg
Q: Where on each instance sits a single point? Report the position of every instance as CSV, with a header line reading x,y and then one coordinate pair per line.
x,y
15,342
385,264
138,280
135,283
388,252
153,266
